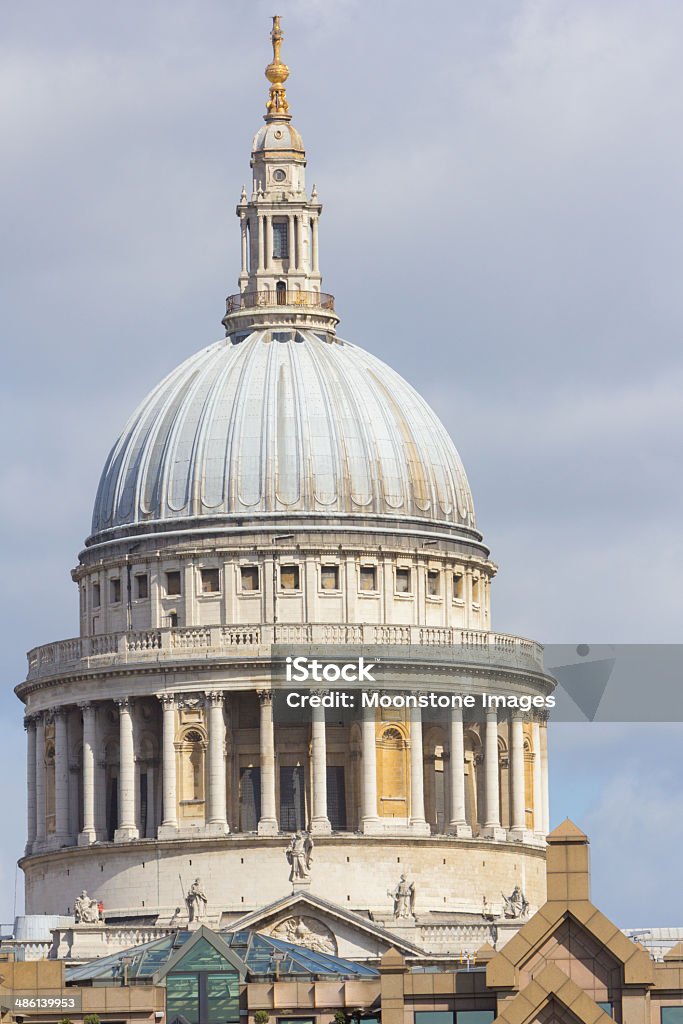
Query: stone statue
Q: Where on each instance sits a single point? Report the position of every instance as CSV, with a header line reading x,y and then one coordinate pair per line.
x,y
404,898
299,855
516,904
86,909
196,900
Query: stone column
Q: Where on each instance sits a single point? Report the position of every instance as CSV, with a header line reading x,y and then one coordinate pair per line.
x,y
261,243
268,242
40,778
290,242
30,726
518,801
492,829
370,822
320,823
544,779
418,822
315,269
457,825
88,834
127,826
216,804
538,779
243,229
169,810
61,778
267,825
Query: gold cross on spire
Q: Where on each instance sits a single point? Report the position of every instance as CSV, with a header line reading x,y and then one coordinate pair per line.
x,y
277,74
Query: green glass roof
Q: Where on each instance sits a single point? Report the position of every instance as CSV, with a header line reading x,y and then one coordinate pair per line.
x,y
261,955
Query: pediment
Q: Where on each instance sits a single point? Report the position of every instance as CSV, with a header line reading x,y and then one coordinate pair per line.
x,y
317,924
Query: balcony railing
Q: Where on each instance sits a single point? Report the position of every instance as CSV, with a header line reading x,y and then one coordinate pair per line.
x,y
175,643
266,298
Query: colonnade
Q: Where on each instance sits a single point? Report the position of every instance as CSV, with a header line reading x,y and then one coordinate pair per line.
x,y
297,224
216,819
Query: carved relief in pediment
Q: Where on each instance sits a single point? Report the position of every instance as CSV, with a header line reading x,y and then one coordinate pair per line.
x,y
309,932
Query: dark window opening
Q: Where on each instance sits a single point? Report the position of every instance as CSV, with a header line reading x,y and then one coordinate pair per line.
x,y
173,584
403,581
115,590
249,578
291,798
329,577
211,581
368,577
336,797
96,595
250,798
142,586
280,239
433,583
289,577
281,297
458,586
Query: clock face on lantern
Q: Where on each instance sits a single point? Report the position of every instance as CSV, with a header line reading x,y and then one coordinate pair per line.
x,y
279,174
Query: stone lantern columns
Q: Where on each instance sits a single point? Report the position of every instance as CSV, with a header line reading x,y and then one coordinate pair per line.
x,y
127,826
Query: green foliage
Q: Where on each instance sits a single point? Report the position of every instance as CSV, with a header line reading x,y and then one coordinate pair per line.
x,y
261,1017
91,1018
342,1017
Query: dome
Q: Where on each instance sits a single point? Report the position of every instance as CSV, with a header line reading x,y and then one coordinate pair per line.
x,y
277,135
283,422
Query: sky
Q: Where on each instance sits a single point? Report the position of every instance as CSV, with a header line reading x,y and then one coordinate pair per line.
x,y
501,224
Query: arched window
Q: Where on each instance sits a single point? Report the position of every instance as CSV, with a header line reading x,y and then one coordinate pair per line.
x,y
281,293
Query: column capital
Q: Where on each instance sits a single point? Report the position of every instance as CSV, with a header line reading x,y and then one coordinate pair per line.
x,y
167,700
265,696
30,721
124,703
214,698
86,706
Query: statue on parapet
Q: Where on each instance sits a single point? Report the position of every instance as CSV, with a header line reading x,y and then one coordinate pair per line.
x,y
86,909
516,904
197,901
404,898
299,856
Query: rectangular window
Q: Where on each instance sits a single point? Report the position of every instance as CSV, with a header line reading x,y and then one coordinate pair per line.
x,y
280,239
433,583
289,577
672,1015
249,578
336,797
115,590
96,595
458,586
433,1017
250,798
329,577
403,581
182,997
475,590
211,581
368,577
173,584
142,586
291,797
474,1017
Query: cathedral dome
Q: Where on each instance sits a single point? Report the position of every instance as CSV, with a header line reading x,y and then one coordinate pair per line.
x,y
283,423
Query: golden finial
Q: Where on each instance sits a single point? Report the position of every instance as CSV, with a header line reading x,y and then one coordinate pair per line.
x,y
277,74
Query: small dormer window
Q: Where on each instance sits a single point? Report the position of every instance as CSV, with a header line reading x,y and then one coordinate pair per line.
x,y
280,239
